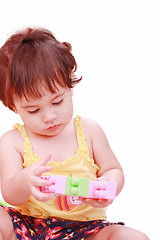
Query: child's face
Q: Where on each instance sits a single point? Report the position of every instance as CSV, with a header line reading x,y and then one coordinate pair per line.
x,y
47,115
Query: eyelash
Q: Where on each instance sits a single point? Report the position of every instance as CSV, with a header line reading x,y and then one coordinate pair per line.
x,y
35,111
56,103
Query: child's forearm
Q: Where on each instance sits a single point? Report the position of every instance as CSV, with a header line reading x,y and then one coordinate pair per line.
x,y
13,190
115,175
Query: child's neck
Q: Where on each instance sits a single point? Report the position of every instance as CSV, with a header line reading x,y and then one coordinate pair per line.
x,y
62,146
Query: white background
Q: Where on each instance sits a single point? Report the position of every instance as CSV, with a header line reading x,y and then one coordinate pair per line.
x,y
117,48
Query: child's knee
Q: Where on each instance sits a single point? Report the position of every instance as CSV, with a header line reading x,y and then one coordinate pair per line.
x,y
4,217
123,232
1,237
6,226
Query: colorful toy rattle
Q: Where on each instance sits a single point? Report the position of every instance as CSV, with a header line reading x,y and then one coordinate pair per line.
x,y
84,187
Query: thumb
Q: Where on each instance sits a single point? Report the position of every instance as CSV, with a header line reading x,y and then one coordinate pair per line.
x,y
102,178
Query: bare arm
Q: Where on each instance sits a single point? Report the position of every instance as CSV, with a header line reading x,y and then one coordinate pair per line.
x,y
18,183
109,167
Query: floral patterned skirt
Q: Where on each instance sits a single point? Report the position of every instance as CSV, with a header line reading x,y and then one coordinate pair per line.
x,y
30,228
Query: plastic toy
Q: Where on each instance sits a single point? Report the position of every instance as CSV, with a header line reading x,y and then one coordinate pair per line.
x,y
84,187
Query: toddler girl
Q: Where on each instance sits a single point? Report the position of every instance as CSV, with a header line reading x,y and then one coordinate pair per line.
x,y
37,75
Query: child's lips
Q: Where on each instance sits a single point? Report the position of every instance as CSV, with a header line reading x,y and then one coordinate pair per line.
x,y
54,127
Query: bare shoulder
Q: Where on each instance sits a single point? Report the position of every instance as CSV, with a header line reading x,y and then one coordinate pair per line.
x,y
92,128
11,153
11,139
89,123
9,135
101,150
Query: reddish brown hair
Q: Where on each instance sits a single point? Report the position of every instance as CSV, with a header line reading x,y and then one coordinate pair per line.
x,y
32,58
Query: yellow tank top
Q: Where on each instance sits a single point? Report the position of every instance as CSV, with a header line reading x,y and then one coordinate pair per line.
x,y
80,165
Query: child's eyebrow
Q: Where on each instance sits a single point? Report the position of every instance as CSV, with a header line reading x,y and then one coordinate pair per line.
x,y
29,106
34,106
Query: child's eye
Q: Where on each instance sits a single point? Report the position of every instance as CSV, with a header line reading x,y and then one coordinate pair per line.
x,y
34,111
57,103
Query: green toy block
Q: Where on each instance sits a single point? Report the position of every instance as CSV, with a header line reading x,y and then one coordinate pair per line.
x,y
77,186
2,202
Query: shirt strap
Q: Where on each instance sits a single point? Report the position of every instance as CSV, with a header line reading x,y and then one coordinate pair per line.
x,y
80,135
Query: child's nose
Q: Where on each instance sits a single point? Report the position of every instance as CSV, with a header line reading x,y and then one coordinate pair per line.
x,y
49,116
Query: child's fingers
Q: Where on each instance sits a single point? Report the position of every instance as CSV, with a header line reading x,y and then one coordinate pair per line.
x,y
44,161
42,169
42,197
37,182
90,202
39,168
102,178
41,165
99,203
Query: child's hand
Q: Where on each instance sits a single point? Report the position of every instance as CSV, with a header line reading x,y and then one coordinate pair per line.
x,y
30,179
99,203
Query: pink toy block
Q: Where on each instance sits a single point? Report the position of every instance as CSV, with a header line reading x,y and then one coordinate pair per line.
x,y
58,184
94,189
102,189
